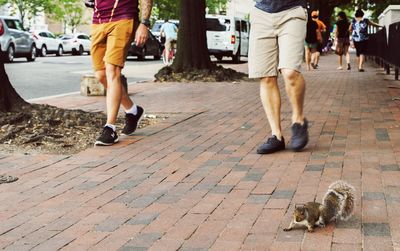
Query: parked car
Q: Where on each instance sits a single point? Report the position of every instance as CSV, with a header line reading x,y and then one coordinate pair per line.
x,y
47,43
152,47
157,27
15,41
227,36
76,44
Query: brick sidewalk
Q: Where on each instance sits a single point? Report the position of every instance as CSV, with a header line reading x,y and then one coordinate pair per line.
x,y
194,181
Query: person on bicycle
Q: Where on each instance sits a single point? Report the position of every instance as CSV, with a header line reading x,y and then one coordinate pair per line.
x,y
170,32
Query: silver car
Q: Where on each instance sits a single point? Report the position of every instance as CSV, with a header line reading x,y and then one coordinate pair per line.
x,y
15,41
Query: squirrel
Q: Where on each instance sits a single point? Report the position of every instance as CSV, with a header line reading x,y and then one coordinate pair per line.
x,y
338,202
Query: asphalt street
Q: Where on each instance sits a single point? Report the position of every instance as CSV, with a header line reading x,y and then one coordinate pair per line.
x,y
49,76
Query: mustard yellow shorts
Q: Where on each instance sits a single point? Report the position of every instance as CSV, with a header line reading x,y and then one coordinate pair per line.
x,y
111,42
276,41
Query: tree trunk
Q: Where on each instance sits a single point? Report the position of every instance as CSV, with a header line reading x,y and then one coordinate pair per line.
x,y
192,51
10,100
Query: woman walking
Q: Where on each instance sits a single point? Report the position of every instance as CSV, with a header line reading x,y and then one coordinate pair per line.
x,y
342,38
359,29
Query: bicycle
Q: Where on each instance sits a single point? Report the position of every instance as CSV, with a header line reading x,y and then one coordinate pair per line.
x,y
168,61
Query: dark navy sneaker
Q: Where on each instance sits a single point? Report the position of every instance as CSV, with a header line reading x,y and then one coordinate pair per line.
x,y
132,121
299,136
272,145
107,137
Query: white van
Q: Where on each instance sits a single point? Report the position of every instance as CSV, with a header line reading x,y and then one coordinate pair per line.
x,y
227,36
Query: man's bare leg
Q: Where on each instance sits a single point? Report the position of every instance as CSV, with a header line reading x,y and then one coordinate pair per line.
x,y
295,89
308,57
126,101
271,100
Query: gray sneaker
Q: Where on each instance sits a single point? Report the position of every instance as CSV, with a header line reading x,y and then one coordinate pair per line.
x,y
273,144
299,136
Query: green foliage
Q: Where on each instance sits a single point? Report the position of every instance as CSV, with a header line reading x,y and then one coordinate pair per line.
x,y
169,9
376,7
216,5
28,8
70,12
166,9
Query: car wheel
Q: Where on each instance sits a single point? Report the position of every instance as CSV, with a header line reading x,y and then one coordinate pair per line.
x,y
236,57
80,52
32,55
142,55
60,51
10,53
43,51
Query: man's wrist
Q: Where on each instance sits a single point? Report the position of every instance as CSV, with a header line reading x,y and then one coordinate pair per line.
x,y
145,22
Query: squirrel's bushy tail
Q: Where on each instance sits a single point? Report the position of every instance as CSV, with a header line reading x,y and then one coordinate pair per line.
x,y
346,194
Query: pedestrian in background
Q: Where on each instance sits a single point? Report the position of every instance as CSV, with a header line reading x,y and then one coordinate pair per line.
x,y
359,29
311,41
170,31
112,32
277,45
342,40
320,38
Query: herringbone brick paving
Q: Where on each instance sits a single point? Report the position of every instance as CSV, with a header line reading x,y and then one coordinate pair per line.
x,y
194,181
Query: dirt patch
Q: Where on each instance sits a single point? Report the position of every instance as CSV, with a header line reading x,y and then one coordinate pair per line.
x,y
217,74
48,129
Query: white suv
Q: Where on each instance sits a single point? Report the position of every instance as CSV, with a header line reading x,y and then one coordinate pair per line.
x,y
47,43
15,41
76,43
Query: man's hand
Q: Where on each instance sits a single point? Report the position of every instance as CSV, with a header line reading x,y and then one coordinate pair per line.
x,y
142,34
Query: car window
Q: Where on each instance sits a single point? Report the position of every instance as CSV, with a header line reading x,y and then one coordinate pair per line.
x,y
214,24
10,23
50,35
81,37
19,25
43,34
66,37
244,26
237,25
86,37
156,27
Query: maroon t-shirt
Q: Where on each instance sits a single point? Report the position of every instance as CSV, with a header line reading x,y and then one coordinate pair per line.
x,y
113,10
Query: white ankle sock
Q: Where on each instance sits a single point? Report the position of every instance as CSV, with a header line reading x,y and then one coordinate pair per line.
x,y
111,126
132,110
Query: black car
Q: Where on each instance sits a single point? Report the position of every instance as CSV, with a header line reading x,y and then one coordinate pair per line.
x,y
152,47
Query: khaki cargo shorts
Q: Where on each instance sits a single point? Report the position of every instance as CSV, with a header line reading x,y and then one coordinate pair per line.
x,y
276,41
110,43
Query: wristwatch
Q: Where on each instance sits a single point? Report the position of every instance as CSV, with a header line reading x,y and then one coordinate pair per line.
x,y
146,22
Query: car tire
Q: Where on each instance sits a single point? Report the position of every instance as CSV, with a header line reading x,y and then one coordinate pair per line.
x,y
10,54
236,57
218,57
142,55
60,51
32,55
80,51
43,51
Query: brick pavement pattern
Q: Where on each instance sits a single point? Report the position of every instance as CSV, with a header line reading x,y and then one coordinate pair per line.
x,y
194,181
